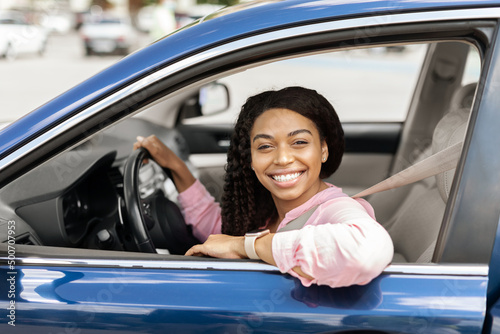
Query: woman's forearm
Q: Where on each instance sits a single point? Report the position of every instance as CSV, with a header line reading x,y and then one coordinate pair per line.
x,y
264,249
182,176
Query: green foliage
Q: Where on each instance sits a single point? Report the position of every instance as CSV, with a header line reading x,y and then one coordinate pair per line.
x,y
219,2
104,4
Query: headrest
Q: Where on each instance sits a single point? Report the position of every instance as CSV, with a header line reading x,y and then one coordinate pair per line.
x,y
451,130
463,97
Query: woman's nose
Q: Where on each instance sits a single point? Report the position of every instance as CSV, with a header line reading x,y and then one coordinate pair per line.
x,y
283,157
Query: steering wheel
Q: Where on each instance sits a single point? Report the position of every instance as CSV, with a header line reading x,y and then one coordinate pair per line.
x,y
176,234
133,201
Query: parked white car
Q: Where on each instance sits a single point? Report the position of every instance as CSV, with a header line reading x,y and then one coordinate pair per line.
x,y
108,35
20,37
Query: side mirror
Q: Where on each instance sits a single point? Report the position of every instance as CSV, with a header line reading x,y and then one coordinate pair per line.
x,y
210,99
213,98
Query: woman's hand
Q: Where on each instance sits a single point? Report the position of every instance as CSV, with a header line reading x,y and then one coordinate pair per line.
x,y
160,153
228,247
221,246
166,158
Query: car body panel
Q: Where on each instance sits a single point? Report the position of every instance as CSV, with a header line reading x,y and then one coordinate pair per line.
x,y
125,300
494,328
494,278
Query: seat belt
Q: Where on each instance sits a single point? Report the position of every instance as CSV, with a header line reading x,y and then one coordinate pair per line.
x,y
437,163
299,222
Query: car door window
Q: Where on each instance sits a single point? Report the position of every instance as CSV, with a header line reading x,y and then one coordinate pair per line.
x,y
472,67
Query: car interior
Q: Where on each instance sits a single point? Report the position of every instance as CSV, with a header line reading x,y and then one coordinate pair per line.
x,y
399,103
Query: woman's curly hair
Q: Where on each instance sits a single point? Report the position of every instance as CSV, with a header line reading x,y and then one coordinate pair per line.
x,y
246,204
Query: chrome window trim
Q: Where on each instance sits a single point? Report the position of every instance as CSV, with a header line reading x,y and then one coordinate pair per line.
x,y
370,21
151,264
438,269
402,269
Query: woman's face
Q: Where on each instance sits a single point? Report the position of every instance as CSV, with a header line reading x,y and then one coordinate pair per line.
x,y
287,154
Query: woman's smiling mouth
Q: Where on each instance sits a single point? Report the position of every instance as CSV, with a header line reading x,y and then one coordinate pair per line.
x,y
286,177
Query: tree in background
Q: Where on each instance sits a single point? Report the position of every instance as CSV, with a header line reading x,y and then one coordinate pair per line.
x,y
219,2
134,6
104,4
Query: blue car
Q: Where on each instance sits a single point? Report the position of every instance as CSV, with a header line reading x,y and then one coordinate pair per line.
x,y
92,241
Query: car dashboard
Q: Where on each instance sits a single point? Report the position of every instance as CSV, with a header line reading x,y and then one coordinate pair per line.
x,y
76,199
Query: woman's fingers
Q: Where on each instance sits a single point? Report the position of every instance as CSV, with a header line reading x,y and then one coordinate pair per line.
x,y
195,251
155,147
220,246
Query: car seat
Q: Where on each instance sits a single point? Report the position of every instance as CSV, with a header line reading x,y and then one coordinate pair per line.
x,y
415,224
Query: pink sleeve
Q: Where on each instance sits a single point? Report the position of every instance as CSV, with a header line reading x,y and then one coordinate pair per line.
x,y
200,211
342,246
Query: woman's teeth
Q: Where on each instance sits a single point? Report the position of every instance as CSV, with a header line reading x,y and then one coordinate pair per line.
x,y
286,178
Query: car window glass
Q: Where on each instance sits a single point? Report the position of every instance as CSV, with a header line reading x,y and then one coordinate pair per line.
x,y
472,67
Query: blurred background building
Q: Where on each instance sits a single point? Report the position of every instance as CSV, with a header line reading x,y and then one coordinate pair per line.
x,y
63,15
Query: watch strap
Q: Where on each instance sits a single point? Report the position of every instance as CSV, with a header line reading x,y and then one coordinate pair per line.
x,y
250,247
250,239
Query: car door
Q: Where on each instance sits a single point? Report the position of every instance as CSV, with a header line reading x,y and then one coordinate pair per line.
x,y
70,290
87,294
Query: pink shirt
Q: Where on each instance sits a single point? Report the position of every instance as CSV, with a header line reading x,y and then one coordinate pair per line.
x,y
341,244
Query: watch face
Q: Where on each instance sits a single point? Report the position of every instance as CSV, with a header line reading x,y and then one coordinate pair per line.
x,y
256,233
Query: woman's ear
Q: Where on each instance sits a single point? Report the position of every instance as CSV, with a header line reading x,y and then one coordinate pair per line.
x,y
324,151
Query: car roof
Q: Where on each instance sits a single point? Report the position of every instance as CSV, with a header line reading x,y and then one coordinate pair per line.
x,y
227,24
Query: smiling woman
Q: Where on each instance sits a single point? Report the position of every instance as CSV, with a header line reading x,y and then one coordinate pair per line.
x,y
284,143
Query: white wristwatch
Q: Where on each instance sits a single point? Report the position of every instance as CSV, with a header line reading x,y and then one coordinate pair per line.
x,y
250,238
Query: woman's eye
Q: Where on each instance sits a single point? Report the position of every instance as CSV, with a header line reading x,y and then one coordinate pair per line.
x,y
263,147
